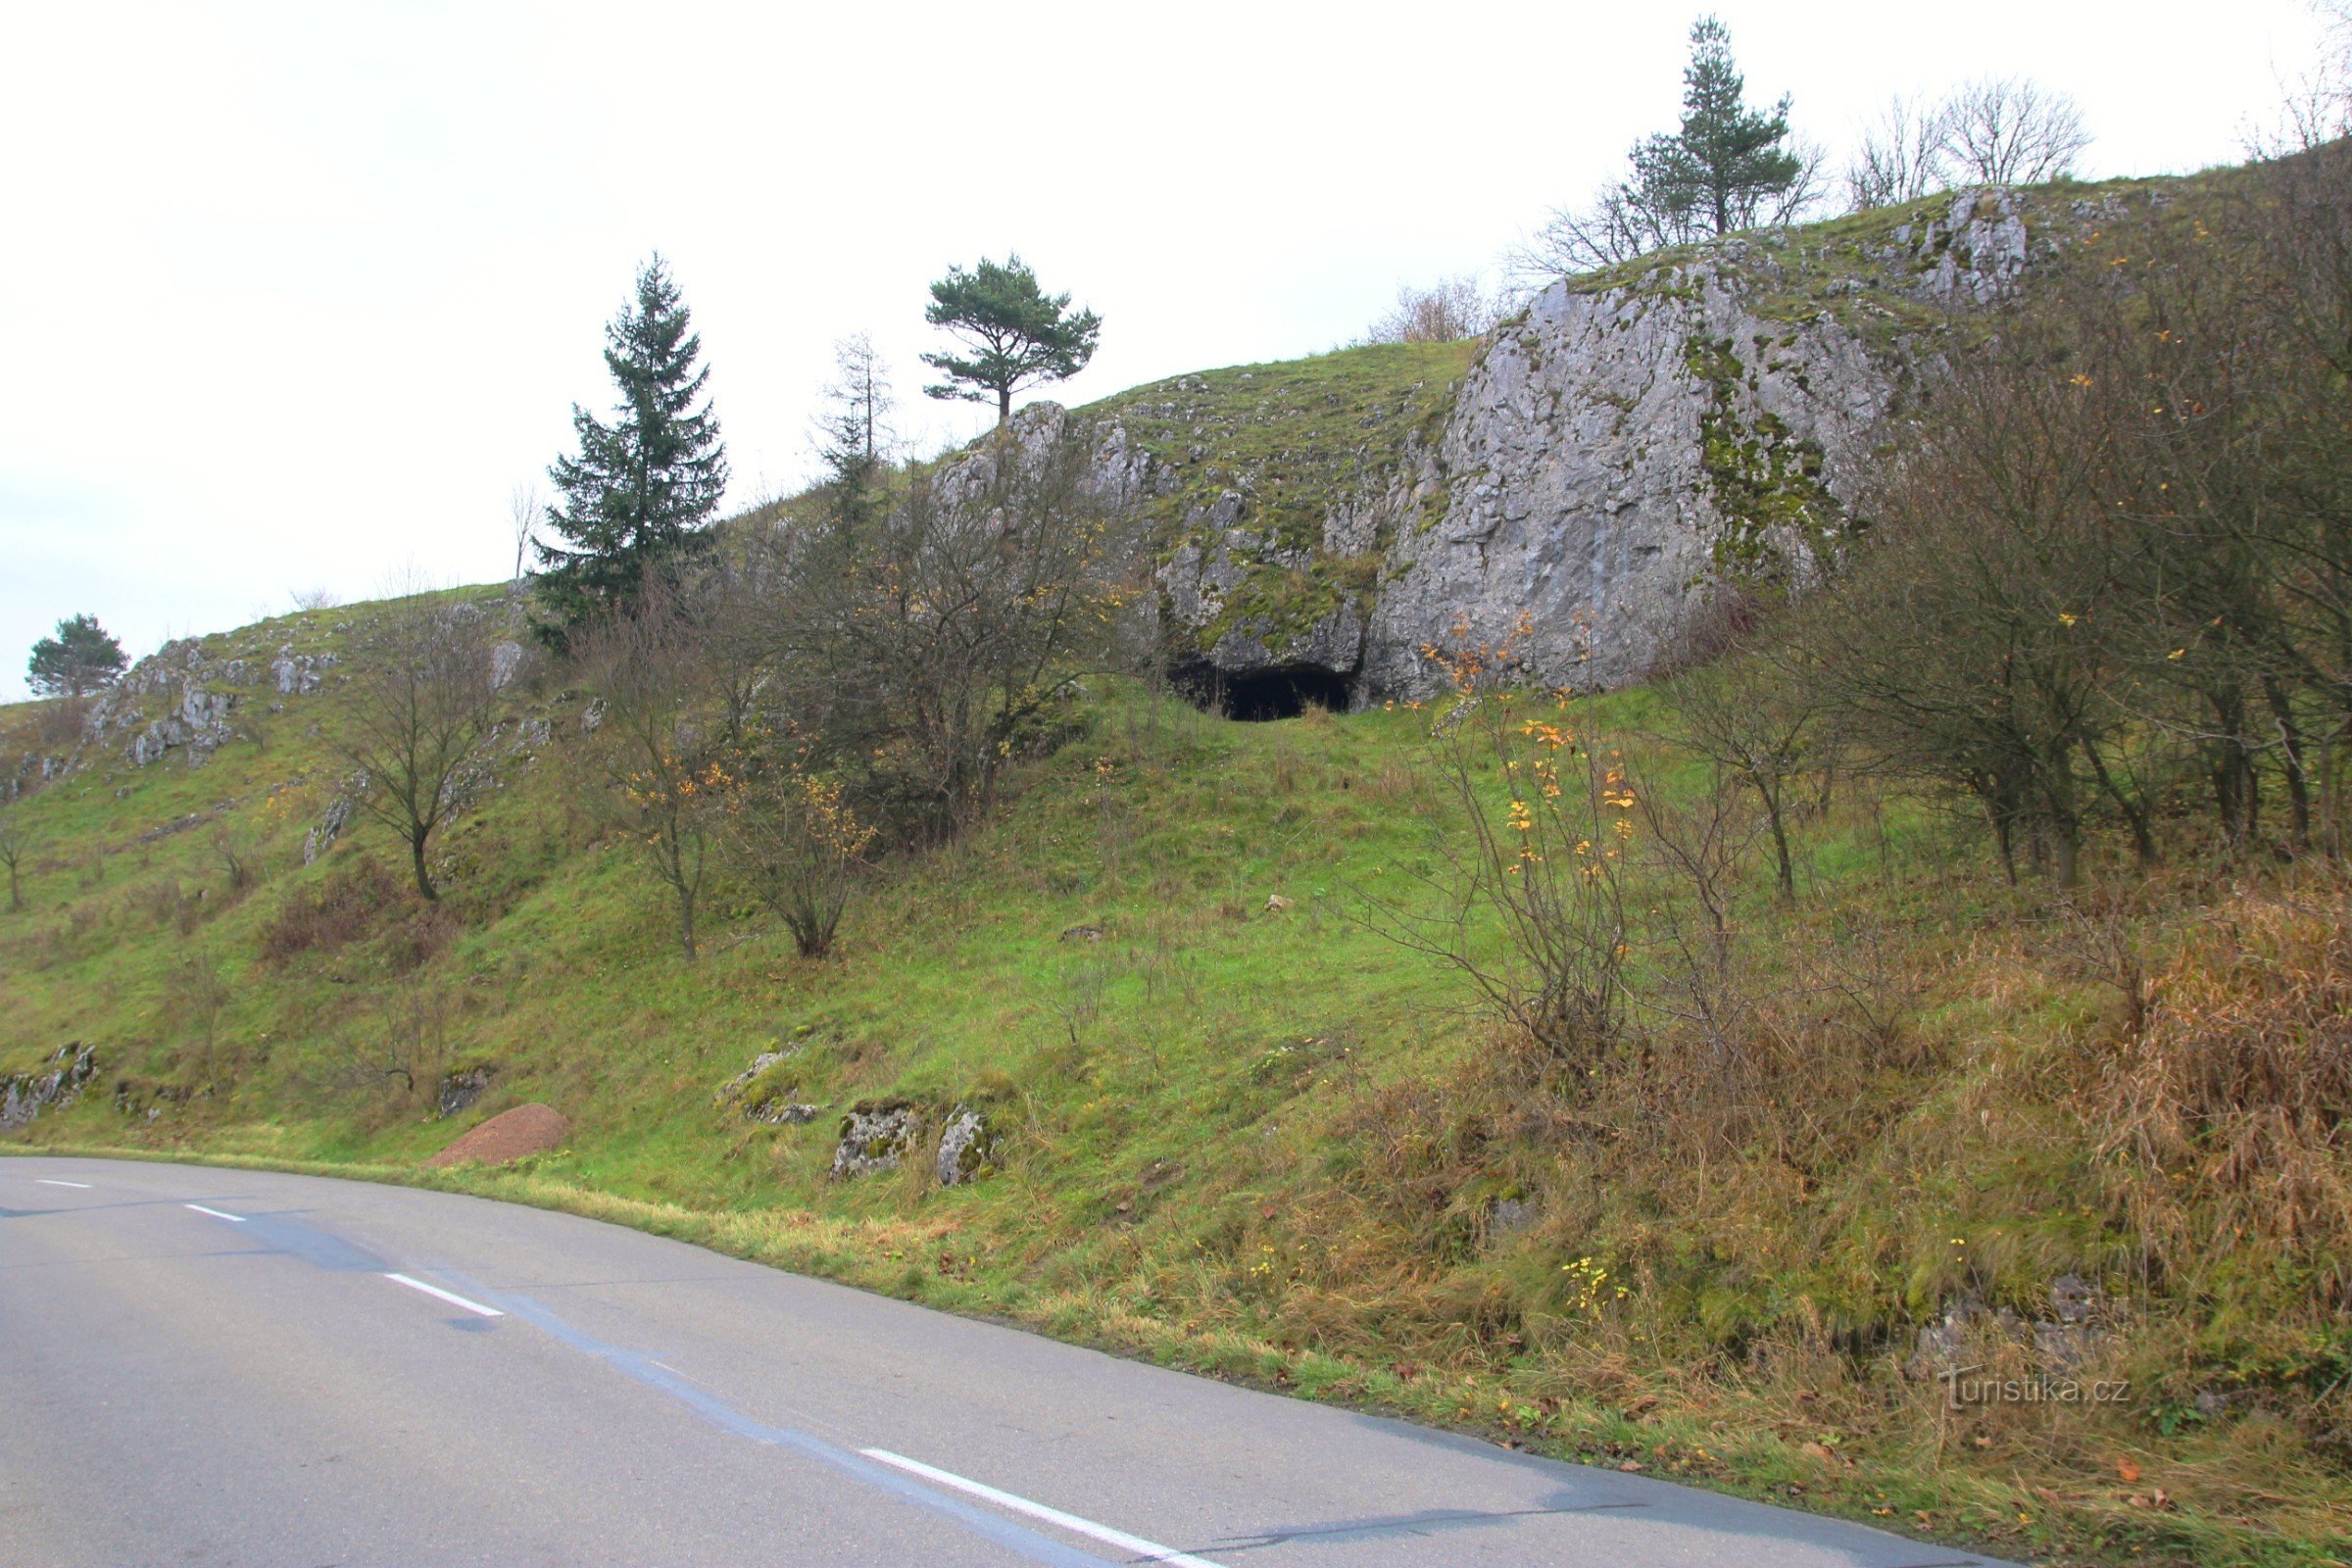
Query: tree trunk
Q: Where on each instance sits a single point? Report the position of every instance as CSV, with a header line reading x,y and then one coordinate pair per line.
x,y
424,882
1004,406
1786,869
2143,838
686,922
2298,779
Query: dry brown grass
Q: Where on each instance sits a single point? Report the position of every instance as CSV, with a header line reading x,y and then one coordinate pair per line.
x,y
2226,1109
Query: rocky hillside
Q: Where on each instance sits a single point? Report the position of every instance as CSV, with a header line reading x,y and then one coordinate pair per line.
x,y
1574,483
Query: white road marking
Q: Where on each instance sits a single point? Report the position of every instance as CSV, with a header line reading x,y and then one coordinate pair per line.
x,y
442,1295
46,1182
1147,1551
233,1219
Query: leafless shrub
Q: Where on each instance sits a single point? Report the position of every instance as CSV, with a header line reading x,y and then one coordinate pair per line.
x,y
200,993
343,907
388,1059
661,768
1444,311
1548,811
234,851
1901,154
1763,725
1697,848
926,637
525,506
794,837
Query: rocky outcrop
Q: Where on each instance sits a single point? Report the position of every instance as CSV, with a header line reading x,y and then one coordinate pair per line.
x,y
1965,1331
967,1147
25,1095
875,1137
166,702
175,700
459,1089
298,674
1608,453
1570,492
765,1097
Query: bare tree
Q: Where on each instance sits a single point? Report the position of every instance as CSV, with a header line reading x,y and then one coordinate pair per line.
x,y
1447,311
2316,106
18,838
525,508
2011,130
1761,725
421,705
1901,156
657,757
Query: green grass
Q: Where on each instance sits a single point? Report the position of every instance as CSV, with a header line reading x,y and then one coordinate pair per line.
x,y
1262,1144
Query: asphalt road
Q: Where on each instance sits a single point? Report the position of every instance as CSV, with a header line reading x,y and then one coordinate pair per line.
x,y
219,1367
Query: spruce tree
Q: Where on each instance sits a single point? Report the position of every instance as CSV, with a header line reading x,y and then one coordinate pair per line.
x,y
81,657
634,500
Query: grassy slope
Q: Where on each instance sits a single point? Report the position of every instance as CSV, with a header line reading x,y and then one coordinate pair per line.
x,y
1262,1143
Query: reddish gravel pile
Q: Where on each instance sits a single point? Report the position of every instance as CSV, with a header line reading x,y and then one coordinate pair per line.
x,y
510,1135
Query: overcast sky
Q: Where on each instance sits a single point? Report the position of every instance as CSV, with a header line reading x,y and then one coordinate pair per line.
x,y
292,296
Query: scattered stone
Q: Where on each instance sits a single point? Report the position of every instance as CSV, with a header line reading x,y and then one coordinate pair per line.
x,y
1965,1330
459,1089
509,1136
2073,1298
733,1089
298,674
506,659
336,817
875,1137
25,1095
1510,1216
966,1147
1082,932
1276,904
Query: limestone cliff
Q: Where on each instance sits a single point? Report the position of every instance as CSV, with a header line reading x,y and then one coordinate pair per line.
x,y
1576,484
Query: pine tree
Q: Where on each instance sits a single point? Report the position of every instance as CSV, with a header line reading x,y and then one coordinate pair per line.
x,y
1018,333
635,498
1717,173
77,660
1727,168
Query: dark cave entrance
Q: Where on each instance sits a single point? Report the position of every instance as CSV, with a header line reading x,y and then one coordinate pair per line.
x,y
1258,696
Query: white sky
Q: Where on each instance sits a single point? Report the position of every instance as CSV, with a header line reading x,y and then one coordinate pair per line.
x,y
293,295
